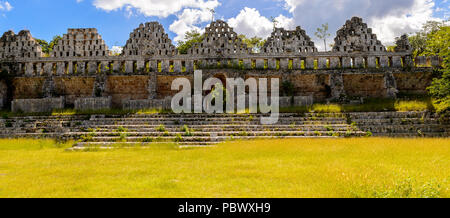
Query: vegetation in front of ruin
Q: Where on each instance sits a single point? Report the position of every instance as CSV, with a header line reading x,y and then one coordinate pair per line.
x,y
434,40
47,47
190,38
353,167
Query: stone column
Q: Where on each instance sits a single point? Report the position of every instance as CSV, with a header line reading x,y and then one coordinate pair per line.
x,y
260,64
29,69
81,67
322,63
189,66
358,62
128,66
92,67
116,66
140,66
337,85
48,68
165,66
153,66
334,62
61,68
177,66
384,60
372,62
272,63
309,64
391,85
346,62
284,64
247,64
152,83
70,67
296,64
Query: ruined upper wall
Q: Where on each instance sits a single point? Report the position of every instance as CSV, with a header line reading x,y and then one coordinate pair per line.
x,y
289,41
149,40
21,45
81,43
355,36
219,39
402,44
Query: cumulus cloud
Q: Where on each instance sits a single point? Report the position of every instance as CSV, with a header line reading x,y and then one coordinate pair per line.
x,y
159,8
387,18
189,13
5,6
188,21
251,23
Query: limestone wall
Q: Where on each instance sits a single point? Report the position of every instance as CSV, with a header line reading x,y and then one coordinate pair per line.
x,y
83,104
37,105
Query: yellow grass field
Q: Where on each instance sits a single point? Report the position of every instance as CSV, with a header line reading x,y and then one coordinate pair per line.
x,y
357,167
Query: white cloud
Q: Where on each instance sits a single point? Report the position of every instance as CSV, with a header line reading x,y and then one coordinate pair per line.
x,y
251,23
159,8
387,18
5,6
116,49
187,21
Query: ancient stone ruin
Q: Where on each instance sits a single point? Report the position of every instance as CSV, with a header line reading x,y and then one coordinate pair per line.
x,y
355,36
81,73
149,40
220,39
80,43
285,41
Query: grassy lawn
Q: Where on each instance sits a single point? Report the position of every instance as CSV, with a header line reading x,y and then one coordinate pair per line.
x,y
359,167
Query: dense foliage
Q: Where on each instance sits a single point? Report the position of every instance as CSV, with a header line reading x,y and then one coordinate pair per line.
x,y
255,43
47,47
190,39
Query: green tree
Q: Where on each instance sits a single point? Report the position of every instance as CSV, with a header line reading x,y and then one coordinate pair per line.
x,y
47,48
322,33
438,43
255,43
420,39
190,38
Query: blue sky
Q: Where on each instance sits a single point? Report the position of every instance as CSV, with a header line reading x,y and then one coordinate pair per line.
x,y
115,19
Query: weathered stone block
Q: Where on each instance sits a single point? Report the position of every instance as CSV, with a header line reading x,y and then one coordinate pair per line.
x,y
37,105
303,101
93,103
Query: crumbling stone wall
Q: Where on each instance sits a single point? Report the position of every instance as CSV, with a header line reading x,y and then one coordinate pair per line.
x,y
356,36
74,87
3,94
413,82
123,88
403,45
21,45
316,85
371,85
219,39
285,41
80,43
28,88
149,39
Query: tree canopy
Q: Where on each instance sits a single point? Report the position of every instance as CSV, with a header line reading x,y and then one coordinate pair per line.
x,y
254,43
190,38
47,48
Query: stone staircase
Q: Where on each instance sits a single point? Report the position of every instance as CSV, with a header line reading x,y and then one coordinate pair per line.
x,y
107,131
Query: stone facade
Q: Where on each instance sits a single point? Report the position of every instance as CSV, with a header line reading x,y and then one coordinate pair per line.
x,y
37,105
356,36
219,39
149,39
21,45
285,41
80,43
82,71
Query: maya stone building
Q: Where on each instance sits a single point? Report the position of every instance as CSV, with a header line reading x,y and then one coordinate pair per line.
x,y
81,73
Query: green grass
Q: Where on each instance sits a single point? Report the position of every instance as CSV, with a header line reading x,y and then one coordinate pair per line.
x,y
371,105
367,167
